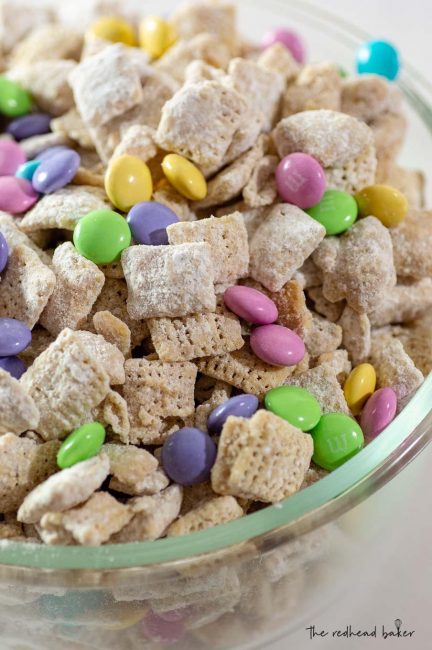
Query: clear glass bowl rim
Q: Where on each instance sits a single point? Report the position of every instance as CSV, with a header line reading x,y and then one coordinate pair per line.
x,y
308,509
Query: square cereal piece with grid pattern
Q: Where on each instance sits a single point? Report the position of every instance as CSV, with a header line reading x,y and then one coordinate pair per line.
x,y
264,458
26,286
323,383
211,513
18,411
281,243
322,336
199,335
245,371
156,391
261,190
169,280
394,368
79,282
65,382
228,241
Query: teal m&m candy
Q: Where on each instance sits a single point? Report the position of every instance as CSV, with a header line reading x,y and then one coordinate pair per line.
x,y
81,444
101,236
378,57
28,169
295,405
14,100
337,211
337,437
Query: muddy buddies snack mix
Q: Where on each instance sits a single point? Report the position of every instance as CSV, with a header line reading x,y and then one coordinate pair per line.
x,y
213,269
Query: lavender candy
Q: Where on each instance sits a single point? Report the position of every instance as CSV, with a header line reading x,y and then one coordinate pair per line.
x,y
15,336
242,406
4,252
56,171
29,125
148,222
188,456
13,365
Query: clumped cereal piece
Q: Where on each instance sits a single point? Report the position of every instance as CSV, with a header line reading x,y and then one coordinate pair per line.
x,y
280,245
279,59
227,239
218,18
405,302
412,242
210,513
156,391
264,458
358,266
261,187
26,286
112,412
199,335
338,362
129,466
313,475
356,337
330,310
152,484
368,96
152,516
36,144
322,336
357,173
47,42
389,131
15,237
203,47
18,411
245,371
175,201
309,275
317,86
65,383
408,181
393,366
64,208
244,138
138,140
107,355
196,495
169,280
24,464
51,531
16,21
79,282
323,383
71,125
113,330
200,71
417,342
64,490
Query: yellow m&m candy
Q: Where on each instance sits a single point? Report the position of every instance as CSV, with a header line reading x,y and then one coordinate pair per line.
x,y
156,36
185,177
359,386
127,182
383,202
115,30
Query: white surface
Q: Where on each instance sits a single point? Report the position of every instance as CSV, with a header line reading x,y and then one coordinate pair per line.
x,y
403,588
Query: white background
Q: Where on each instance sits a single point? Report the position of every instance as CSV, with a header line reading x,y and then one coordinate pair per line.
x,y
403,588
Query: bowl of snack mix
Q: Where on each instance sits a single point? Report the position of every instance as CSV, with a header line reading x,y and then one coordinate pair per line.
x,y
215,317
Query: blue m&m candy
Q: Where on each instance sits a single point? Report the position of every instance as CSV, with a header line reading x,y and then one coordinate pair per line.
x,y
378,57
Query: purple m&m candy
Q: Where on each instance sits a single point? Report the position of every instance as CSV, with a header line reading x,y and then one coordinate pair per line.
x,y
292,41
300,180
163,629
16,195
4,252
148,222
188,456
378,412
13,365
277,345
241,406
11,157
51,151
29,125
56,171
251,305
15,336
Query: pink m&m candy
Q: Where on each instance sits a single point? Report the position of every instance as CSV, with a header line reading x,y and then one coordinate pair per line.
x,y
292,41
277,345
16,194
251,305
378,412
300,180
11,157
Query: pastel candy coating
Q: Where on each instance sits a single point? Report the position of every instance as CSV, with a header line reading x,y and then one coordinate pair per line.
x,y
378,57
13,365
300,180
114,29
51,151
156,36
359,386
188,456
81,444
148,222
56,171
101,236
277,345
11,157
14,100
251,305
16,195
295,405
337,438
127,182
337,211
292,41
378,412
4,252
242,406
29,125
28,169
185,177
15,336
163,629
384,202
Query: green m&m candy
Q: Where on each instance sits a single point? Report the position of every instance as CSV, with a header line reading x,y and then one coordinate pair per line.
x,y
337,211
337,437
101,236
14,100
295,405
81,444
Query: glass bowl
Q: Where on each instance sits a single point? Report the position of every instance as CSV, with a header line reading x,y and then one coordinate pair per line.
x,y
242,584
